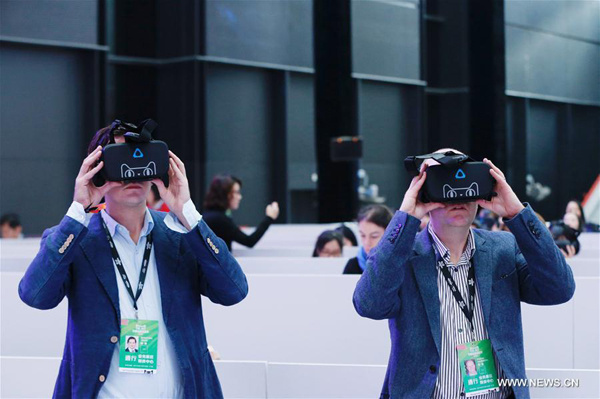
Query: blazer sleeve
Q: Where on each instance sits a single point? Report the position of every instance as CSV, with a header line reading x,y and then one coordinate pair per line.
x,y
47,279
377,292
222,278
545,278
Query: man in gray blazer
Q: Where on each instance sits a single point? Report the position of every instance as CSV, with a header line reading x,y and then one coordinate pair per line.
x,y
451,285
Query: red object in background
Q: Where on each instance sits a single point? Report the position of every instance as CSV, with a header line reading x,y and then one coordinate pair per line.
x,y
163,208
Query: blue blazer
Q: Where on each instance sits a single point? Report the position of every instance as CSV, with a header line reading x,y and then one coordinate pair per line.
x,y
81,268
400,284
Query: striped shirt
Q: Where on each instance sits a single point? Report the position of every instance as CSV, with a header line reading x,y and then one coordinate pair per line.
x,y
455,326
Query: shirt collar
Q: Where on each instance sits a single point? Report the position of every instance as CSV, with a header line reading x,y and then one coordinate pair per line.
x,y
444,252
116,227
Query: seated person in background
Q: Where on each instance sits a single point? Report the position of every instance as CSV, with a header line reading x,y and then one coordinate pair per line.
x,y
223,197
574,206
11,226
565,233
487,219
573,221
329,245
349,237
372,222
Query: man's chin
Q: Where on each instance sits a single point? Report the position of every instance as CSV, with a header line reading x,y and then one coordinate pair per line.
x,y
460,221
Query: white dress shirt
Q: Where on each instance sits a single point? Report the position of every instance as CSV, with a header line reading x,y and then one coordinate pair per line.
x,y
454,325
167,382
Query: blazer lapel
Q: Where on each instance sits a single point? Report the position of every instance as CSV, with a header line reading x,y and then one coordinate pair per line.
x,y
483,264
97,250
166,252
424,266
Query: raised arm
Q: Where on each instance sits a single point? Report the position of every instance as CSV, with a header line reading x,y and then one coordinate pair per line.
x,y
377,292
46,281
223,280
545,278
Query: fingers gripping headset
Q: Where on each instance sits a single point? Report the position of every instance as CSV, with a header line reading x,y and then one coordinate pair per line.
x,y
458,178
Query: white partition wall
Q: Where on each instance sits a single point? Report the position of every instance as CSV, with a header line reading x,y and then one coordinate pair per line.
x,y
26,331
311,319
297,318
288,380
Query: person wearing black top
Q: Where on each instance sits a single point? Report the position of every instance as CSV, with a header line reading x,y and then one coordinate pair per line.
x,y
224,196
372,222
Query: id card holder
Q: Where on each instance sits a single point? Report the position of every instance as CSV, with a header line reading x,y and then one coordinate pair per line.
x,y
138,347
477,368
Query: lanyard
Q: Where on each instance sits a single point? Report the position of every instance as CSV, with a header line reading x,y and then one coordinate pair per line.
x,y
119,264
468,311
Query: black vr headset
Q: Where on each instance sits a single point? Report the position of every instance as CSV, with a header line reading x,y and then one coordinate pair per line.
x,y
140,158
458,178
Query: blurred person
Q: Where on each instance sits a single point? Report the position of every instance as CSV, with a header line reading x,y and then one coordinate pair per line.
x,y
154,201
330,244
348,234
574,206
487,219
224,195
574,221
372,222
436,288
11,226
95,259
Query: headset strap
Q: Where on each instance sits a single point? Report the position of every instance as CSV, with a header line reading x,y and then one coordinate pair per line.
x,y
448,158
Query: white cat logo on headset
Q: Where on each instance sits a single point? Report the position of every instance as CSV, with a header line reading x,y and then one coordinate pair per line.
x,y
143,171
471,191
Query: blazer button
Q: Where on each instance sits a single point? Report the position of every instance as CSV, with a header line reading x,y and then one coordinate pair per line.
x,y
114,339
433,369
102,378
217,251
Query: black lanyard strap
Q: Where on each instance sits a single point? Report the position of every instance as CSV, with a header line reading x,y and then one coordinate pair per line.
x,y
468,311
119,264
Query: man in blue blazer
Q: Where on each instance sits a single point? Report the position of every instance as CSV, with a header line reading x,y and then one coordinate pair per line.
x,y
178,259
408,281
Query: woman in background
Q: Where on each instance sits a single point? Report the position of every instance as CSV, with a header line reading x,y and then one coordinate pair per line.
x,y
224,195
574,206
372,222
349,237
330,244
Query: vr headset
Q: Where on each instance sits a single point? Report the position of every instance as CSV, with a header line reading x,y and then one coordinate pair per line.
x,y
140,158
458,178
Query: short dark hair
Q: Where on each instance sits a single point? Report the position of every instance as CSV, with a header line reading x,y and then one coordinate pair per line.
x,y
217,197
347,233
102,137
324,238
380,215
12,219
131,338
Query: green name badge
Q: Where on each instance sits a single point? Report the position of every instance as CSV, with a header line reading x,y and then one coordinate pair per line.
x,y
139,346
477,367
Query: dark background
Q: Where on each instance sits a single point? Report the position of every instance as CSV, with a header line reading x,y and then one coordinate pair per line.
x,y
232,85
